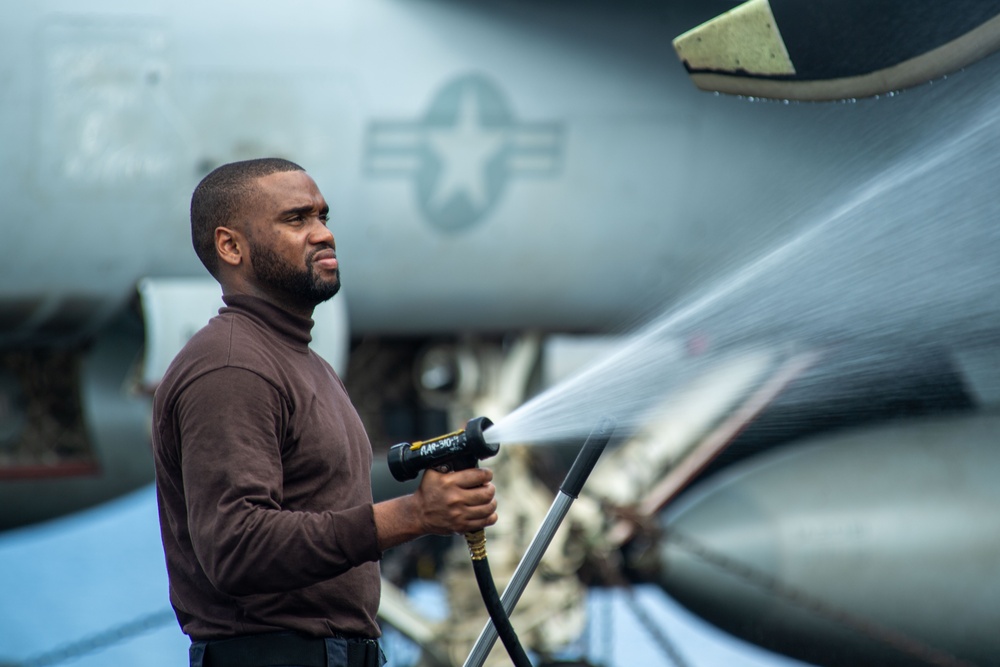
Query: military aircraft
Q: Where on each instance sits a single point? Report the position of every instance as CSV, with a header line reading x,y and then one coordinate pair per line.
x,y
508,179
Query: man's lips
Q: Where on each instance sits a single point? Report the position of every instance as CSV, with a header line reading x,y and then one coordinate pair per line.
x,y
326,259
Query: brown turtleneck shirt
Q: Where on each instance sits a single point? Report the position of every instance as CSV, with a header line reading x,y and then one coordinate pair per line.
x,y
263,483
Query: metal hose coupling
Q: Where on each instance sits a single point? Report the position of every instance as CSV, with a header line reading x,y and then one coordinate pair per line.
x,y
477,544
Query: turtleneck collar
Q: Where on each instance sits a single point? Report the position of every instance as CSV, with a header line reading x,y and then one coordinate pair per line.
x,y
294,329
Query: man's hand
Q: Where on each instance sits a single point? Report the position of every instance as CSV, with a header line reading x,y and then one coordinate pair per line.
x,y
456,502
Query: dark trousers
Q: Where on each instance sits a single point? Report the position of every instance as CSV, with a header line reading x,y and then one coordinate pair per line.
x,y
286,649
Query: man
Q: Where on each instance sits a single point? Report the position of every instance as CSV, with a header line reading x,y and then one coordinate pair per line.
x,y
271,537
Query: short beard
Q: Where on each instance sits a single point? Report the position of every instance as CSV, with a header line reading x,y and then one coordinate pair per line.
x,y
275,273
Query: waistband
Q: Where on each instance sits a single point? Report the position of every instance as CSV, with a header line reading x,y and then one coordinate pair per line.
x,y
287,648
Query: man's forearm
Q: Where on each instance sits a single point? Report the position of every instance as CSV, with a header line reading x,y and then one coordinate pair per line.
x,y
396,522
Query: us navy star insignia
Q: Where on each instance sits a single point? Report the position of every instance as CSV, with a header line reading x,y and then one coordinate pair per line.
x,y
463,151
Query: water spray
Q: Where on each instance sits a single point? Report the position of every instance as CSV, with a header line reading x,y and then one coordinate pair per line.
x,y
464,449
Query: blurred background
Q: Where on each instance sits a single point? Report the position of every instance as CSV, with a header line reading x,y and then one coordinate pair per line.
x,y
789,308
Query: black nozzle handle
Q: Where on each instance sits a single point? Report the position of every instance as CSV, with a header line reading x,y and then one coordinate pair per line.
x,y
455,451
587,458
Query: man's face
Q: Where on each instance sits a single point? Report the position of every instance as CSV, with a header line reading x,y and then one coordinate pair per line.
x,y
292,253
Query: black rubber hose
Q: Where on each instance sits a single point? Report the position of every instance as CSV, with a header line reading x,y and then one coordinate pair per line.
x,y
495,608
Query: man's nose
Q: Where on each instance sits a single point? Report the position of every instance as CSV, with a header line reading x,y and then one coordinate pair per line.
x,y
321,234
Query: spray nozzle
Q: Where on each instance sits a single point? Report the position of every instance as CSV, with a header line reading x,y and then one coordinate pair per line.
x,y
454,451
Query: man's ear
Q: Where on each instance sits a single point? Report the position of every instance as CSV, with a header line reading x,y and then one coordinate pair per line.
x,y
230,245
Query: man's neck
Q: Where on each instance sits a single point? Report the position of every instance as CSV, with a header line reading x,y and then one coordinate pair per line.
x,y
282,300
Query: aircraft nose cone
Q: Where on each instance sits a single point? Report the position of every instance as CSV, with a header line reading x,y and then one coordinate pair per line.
x,y
874,546
711,538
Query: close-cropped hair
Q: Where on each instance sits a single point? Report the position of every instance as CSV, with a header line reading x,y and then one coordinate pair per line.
x,y
222,199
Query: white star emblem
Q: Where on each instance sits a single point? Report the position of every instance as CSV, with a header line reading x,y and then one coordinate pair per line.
x,y
459,164
464,149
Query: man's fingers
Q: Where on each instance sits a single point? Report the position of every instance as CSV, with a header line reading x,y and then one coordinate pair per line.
x,y
470,478
482,511
459,501
481,495
472,523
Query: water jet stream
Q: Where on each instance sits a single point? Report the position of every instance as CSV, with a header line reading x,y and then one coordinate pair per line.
x,y
908,260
